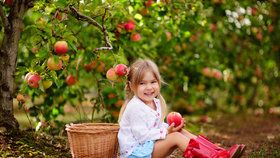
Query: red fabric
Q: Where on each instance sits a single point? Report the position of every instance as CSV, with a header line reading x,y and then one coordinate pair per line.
x,y
202,148
206,141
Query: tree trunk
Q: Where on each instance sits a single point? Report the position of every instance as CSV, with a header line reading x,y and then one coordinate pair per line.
x,y
13,25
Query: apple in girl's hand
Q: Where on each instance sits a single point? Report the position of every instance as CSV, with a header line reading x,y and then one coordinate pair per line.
x,y
174,117
121,69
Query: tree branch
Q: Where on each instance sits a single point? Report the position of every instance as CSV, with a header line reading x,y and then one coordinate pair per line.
x,y
4,18
90,20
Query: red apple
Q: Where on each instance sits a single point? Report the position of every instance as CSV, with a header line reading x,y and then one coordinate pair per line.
x,y
112,95
207,72
217,74
119,28
193,38
21,98
274,110
129,26
111,74
27,76
100,67
178,48
213,27
58,15
34,50
149,3
204,119
70,80
52,65
259,36
61,47
8,3
168,36
115,113
174,117
254,11
119,103
135,37
270,28
144,11
121,69
258,72
33,80
90,66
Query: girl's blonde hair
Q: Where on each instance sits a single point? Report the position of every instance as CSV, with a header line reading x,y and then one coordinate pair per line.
x,y
134,77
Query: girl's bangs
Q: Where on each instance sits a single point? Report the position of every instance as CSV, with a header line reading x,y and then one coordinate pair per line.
x,y
141,72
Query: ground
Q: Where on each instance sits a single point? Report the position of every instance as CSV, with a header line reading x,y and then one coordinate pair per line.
x,y
261,135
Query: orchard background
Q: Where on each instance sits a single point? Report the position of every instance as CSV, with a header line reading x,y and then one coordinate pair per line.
x,y
218,55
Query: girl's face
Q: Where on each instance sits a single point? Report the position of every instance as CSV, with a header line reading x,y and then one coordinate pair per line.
x,y
148,88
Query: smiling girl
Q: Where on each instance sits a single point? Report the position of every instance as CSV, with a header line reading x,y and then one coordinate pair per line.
x,y
143,132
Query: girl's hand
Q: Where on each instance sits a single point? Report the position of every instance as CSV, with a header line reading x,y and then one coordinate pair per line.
x,y
172,129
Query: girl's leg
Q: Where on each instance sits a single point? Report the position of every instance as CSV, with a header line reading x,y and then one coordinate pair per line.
x,y
188,134
165,147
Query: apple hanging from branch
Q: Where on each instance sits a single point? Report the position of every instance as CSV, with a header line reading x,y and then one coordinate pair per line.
x,y
135,37
52,65
129,26
121,69
60,47
70,80
111,75
33,80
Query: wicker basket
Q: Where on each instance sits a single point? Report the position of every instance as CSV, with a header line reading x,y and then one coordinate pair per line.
x,y
98,140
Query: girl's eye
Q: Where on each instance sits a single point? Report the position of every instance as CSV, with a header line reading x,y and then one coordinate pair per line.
x,y
141,83
154,81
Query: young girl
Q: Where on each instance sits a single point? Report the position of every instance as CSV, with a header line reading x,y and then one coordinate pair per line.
x,y
143,133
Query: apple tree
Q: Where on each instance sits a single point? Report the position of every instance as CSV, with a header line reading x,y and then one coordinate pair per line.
x,y
61,49
218,54
12,25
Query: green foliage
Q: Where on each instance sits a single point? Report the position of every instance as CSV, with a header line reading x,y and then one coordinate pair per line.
x,y
236,41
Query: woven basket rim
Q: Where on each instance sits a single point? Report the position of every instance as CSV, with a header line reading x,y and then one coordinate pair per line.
x,y
92,128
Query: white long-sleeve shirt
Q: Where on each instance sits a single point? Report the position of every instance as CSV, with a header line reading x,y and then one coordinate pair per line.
x,y
140,123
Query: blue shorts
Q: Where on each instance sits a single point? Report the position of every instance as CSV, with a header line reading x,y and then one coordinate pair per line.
x,y
143,150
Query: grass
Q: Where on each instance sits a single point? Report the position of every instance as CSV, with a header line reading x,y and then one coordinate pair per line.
x,y
267,150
